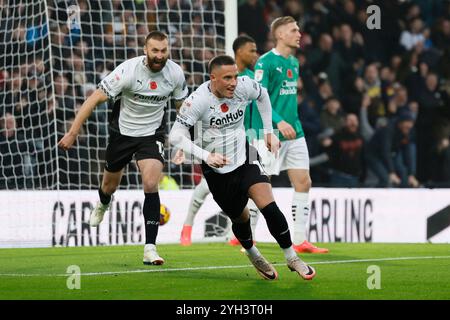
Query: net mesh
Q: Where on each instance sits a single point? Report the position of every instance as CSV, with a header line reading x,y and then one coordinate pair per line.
x,y
52,56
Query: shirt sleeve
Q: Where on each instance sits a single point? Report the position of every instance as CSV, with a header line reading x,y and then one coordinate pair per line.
x,y
179,137
190,111
181,91
265,110
252,88
254,91
262,75
114,83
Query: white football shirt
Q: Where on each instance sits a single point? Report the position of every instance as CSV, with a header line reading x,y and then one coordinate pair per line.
x,y
143,94
222,120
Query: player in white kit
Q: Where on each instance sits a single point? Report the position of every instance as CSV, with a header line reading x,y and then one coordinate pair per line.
x,y
139,89
230,165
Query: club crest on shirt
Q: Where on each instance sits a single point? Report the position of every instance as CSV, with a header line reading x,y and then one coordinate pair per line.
x,y
185,106
259,75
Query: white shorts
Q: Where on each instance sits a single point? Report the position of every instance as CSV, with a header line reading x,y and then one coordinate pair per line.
x,y
293,154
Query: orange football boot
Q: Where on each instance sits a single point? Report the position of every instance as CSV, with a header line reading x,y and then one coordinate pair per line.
x,y
234,242
186,235
307,247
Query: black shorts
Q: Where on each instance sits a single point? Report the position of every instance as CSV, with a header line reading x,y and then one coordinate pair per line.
x,y
121,149
230,190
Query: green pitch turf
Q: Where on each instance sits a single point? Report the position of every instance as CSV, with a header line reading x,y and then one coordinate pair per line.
x,y
219,271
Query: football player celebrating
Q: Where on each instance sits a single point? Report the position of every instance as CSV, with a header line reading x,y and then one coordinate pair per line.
x,y
138,89
230,165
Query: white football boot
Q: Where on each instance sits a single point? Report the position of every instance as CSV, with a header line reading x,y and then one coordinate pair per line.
x,y
151,256
98,212
263,267
305,271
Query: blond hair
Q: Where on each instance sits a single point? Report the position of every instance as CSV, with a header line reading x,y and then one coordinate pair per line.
x,y
278,22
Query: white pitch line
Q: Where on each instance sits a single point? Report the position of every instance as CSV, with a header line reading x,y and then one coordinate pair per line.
x,y
212,267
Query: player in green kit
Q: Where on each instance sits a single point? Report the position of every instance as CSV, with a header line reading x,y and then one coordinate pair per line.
x,y
245,52
278,71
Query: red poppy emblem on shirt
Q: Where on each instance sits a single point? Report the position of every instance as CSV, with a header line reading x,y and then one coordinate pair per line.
x,y
289,73
117,77
224,107
153,85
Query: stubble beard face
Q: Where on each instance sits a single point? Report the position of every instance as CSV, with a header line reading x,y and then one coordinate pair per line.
x,y
156,65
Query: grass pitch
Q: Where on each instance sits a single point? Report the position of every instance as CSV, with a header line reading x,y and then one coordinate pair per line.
x,y
218,271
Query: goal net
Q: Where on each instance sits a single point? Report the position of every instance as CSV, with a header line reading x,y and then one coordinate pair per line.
x,y
53,53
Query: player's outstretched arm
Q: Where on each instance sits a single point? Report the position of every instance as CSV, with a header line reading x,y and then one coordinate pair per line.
x,y
85,111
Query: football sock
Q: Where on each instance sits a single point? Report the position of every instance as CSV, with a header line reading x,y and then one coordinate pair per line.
x,y
254,215
151,216
277,224
243,233
289,253
300,215
201,191
104,198
253,252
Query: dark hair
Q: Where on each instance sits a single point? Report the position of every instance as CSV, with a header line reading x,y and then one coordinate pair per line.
x,y
240,41
331,98
405,116
157,35
222,60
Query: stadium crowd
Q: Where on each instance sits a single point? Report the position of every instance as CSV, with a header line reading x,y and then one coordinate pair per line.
x,y
374,104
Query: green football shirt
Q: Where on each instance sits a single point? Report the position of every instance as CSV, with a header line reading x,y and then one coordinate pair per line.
x,y
279,76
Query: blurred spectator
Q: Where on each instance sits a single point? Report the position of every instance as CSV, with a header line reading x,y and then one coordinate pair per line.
x,y
431,116
293,8
331,115
391,153
98,121
346,155
65,98
441,35
16,170
350,50
11,96
74,163
251,21
376,74
322,92
351,102
414,35
324,59
400,103
310,119
440,164
375,88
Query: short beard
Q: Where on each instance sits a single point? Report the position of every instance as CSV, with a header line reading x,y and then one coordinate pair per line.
x,y
151,63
